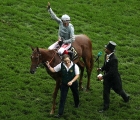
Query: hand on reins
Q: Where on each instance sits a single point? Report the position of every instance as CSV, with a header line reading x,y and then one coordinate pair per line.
x,y
60,42
48,6
48,65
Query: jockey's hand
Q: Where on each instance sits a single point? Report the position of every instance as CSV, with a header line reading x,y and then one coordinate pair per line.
x,y
60,43
48,7
62,39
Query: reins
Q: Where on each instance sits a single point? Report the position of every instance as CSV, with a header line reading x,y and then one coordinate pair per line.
x,y
52,57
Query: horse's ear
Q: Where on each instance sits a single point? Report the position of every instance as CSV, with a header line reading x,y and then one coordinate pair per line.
x,y
32,48
37,49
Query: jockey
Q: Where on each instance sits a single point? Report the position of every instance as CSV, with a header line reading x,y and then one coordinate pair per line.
x,y
65,34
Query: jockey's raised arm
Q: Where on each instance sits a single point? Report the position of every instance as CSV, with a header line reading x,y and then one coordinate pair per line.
x,y
53,16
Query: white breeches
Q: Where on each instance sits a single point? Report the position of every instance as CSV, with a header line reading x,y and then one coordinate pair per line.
x,y
61,49
54,46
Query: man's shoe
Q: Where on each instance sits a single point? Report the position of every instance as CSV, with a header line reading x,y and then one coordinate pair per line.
x,y
104,109
127,99
76,106
57,116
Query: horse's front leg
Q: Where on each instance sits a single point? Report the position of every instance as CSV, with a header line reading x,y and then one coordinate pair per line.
x,y
54,96
81,66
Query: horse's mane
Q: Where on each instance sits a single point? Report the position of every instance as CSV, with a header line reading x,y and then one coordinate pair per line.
x,y
46,50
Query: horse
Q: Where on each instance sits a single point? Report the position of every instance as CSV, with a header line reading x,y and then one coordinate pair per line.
x,y
82,45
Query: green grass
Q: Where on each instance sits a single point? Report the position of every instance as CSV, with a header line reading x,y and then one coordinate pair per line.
x,y
26,23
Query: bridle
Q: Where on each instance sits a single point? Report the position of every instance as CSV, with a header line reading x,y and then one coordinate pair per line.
x,y
52,58
39,57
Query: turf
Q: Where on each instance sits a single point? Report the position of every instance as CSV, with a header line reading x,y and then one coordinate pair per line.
x,y
26,23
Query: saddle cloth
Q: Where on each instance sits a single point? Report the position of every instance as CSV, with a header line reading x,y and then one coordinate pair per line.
x,y
75,55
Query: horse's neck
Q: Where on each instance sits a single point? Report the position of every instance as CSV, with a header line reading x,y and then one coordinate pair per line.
x,y
51,56
46,54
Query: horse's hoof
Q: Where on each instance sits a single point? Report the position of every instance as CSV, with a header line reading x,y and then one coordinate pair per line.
x,y
52,112
87,89
81,89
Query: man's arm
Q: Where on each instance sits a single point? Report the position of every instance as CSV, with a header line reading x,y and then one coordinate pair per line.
x,y
73,80
49,67
53,15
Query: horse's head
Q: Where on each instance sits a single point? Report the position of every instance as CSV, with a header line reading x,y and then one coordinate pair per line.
x,y
35,60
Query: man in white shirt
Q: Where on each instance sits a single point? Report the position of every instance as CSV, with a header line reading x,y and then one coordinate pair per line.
x,y
70,73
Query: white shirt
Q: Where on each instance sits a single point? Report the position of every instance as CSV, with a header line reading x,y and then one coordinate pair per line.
x,y
107,56
57,68
110,54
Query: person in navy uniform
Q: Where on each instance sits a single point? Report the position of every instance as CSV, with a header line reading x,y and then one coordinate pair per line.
x,y
111,77
70,73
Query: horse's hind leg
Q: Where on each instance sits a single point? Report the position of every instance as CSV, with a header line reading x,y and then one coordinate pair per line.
x,y
88,60
81,66
54,96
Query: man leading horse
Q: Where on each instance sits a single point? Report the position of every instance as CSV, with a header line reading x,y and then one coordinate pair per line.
x,y
65,33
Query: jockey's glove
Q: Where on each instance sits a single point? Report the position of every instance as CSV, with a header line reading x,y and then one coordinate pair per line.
x,y
62,39
48,7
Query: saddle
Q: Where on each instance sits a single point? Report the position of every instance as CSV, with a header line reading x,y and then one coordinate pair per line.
x,y
71,51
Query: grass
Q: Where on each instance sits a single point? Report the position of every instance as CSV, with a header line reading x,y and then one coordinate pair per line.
x,y
26,23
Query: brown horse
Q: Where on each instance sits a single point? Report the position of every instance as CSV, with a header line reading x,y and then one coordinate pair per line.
x,y
83,46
